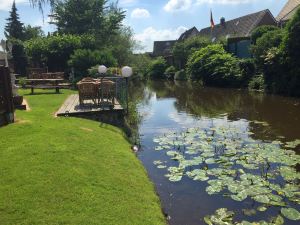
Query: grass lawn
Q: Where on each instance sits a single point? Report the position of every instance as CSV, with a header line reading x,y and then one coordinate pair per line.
x,y
70,171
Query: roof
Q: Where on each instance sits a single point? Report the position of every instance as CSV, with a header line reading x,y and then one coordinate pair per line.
x,y
288,10
242,26
189,33
163,48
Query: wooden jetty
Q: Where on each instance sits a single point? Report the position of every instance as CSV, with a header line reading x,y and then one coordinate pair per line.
x,y
71,107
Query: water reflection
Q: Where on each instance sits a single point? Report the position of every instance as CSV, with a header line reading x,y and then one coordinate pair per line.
x,y
168,106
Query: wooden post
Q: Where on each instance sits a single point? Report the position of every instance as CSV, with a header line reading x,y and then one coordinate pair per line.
x,y
6,96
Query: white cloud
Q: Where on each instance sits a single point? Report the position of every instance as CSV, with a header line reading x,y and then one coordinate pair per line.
x,y
5,5
182,5
150,34
140,13
177,5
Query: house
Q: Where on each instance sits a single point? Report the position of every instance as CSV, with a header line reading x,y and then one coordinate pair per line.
x,y
288,11
188,34
238,31
164,49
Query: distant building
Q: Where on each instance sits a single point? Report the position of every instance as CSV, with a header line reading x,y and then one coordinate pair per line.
x,y
238,31
188,34
288,11
164,49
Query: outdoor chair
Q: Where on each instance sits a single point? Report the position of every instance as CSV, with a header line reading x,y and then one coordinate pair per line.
x,y
88,91
88,79
107,90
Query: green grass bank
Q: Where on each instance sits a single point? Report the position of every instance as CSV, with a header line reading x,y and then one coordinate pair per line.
x,y
70,171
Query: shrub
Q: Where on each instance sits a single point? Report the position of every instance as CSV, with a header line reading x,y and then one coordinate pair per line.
x,y
83,59
182,50
140,64
157,68
170,72
260,31
276,73
111,71
248,70
282,64
214,66
264,43
257,83
180,75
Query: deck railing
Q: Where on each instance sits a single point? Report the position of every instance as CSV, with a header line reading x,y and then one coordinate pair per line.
x,y
121,90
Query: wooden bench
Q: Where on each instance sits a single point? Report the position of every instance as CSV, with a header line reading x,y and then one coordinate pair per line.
x,y
47,81
43,84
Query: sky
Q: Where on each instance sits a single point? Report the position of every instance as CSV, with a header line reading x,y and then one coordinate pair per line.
x,y
153,20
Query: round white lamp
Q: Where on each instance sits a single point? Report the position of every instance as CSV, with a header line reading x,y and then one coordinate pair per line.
x,y
127,71
102,69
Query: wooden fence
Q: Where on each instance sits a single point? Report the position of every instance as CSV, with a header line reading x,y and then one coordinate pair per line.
x,y
6,99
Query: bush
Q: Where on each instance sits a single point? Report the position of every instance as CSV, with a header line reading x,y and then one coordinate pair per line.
x,y
83,59
264,43
140,64
182,50
170,72
248,70
257,83
111,71
276,72
260,31
282,64
214,66
180,75
157,68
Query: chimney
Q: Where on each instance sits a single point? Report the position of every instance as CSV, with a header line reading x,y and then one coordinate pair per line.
x,y
222,21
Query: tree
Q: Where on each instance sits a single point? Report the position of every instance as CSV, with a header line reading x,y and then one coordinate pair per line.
x,y
121,45
214,66
260,31
14,28
40,3
182,50
267,41
88,17
33,32
157,68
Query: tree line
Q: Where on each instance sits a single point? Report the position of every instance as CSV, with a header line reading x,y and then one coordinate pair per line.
x,y
88,32
274,67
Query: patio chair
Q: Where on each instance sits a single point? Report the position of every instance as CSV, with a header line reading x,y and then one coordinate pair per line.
x,y
107,88
88,91
88,79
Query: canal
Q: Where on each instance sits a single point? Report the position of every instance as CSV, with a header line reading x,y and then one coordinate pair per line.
x,y
177,121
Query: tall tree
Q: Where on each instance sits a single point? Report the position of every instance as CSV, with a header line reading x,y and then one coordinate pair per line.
x,y
87,17
14,28
33,32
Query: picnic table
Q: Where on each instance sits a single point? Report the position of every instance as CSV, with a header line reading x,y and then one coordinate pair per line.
x,y
44,84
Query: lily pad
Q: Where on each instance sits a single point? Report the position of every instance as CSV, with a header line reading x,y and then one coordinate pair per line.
x,y
262,199
290,213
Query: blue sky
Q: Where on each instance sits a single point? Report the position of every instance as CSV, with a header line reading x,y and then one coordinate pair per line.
x,y
157,19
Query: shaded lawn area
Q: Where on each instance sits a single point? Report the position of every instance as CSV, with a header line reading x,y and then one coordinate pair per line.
x,y
70,171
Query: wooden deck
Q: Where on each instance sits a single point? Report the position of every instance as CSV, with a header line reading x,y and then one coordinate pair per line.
x,y
71,107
